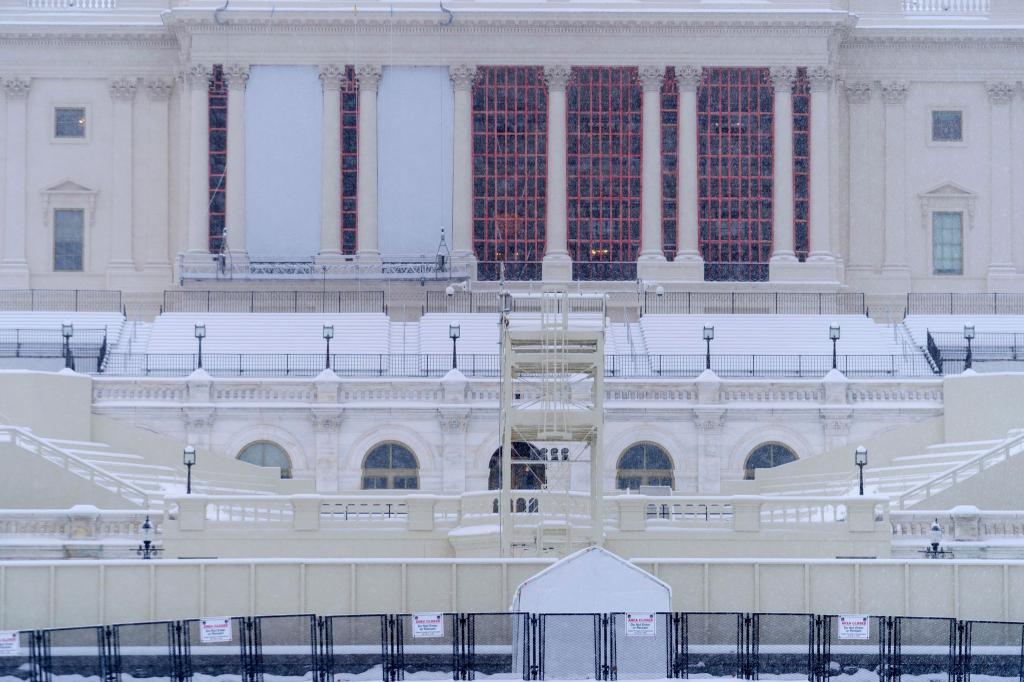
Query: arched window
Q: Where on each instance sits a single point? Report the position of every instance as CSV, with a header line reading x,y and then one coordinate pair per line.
x,y
767,456
524,476
643,464
390,466
266,454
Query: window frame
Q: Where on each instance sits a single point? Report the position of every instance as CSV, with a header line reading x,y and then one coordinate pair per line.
x,y
53,233
644,475
749,473
390,475
932,142
287,472
963,220
57,139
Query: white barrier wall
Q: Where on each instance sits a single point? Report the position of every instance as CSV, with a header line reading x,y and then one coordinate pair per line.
x,y
72,593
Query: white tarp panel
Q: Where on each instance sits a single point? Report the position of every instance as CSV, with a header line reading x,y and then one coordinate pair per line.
x,y
414,106
283,121
593,580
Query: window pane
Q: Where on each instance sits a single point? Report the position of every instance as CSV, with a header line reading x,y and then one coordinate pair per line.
x,y
947,126
947,243
68,236
69,122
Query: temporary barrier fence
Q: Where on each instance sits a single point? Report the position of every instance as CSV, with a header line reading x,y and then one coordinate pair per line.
x,y
514,646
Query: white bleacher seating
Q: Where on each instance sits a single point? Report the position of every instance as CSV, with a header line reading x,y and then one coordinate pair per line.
x,y
920,325
112,322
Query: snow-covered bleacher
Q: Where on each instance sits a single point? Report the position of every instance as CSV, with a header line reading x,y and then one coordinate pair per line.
x,y
998,344
34,339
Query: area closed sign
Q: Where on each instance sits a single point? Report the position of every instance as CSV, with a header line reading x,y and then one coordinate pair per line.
x,y
428,625
10,644
641,625
212,630
854,627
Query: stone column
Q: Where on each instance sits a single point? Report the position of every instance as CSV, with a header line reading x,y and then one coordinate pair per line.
x,y
14,266
783,258
154,209
689,264
454,425
894,95
1001,271
198,80
122,92
366,175
858,94
557,262
651,251
331,79
462,76
821,166
236,77
326,426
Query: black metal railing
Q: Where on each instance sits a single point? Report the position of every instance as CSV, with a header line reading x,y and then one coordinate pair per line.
x,y
753,303
965,304
552,646
212,301
489,365
949,349
464,302
61,300
49,343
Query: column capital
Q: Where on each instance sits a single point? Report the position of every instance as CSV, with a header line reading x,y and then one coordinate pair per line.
x,y
368,76
123,89
331,76
820,78
894,93
236,76
782,78
198,76
17,88
159,89
859,92
1000,94
557,76
462,76
651,76
688,77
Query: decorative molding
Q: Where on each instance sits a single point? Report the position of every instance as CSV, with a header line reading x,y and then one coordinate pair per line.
x,y
198,420
557,76
651,76
820,78
688,77
453,423
782,77
1000,94
159,89
123,89
948,197
17,88
69,194
327,422
709,422
331,77
236,76
894,93
859,92
368,76
198,76
462,76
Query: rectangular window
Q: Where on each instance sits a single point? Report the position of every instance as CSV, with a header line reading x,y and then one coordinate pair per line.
x,y
218,157
68,239
69,122
947,126
948,243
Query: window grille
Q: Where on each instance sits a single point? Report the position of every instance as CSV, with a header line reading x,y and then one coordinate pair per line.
x,y
266,454
947,126
69,122
947,243
349,160
801,164
68,239
643,464
670,164
767,456
390,466
218,145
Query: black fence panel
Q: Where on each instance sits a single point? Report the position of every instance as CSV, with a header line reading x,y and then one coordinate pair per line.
x,y
61,300
151,651
288,647
358,647
494,645
965,304
428,653
995,651
862,658
73,651
570,646
708,645
642,646
22,664
211,301
784,645
753,303
211,659
926,648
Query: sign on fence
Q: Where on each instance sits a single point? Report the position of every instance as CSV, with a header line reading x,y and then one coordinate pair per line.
x,y
213,630
854,627
10,644
428,625
641,625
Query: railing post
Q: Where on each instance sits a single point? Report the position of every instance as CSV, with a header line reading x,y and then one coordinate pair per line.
x,y
860,515
192,512
306,512
746,514
421,512
632,514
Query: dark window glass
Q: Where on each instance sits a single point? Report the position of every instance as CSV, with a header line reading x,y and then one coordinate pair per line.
x,y
643,464
218,149
948,243
947,126
528,470
390,466
264,454
69,122
349,160
68,239
801,164
767,456
670,163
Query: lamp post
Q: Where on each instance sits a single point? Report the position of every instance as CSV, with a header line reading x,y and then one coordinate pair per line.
x,y
454,332
833,333
328,335
968,335
934,551
146,550
200,332
860,458
189,459
709,333
67,330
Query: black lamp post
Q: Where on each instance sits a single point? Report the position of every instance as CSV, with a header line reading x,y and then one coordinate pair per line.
x,y
968,335
833,333
934,551
860,458
328,335
189,459
146,550
454,332
67,330
709,333
200,332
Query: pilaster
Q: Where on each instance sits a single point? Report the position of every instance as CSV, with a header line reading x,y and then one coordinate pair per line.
x,y
783,263
197,78
236,76
462,76
862,222
154,171
650,264
895,271
14,265
1002,275
557,266
369,76
710,422
331,79
121,266
454,426
821,263
327,423
688,265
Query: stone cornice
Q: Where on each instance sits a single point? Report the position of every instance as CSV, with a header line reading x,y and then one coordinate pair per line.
x,y
961,39
86,37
